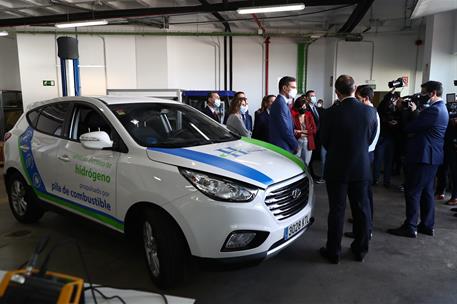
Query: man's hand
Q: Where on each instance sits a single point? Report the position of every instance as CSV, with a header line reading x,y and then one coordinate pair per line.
x,y
412,106
295,151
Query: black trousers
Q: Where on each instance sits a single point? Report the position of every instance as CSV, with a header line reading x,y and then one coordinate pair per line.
x,y
361,213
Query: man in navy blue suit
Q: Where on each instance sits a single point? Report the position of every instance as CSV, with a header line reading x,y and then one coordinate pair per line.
x,y
423,156
347,130
281,123
212,104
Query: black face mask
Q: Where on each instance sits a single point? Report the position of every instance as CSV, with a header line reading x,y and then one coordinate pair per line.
x,y
301,111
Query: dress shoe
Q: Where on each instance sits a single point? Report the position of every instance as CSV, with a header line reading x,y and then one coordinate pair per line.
x,y
440,197
349,234
319,180
403,231
333,259
359,256
452,202
424,230
454,209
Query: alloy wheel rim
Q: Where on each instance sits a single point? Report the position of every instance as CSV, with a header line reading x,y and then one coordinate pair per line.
x,y
18,198
151,249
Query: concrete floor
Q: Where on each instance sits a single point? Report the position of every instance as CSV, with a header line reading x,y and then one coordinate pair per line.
x,y
397,270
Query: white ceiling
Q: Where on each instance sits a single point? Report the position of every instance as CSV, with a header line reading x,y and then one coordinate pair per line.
x,y
385,15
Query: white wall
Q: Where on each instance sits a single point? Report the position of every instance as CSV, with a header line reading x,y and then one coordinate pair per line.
x,y
394,56
9,64
440,57
37,62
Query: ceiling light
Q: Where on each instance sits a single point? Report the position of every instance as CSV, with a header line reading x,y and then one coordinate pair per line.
x,y
3,33
81,23
271,9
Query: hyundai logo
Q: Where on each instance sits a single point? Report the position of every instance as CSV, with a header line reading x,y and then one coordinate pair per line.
x,y
296,193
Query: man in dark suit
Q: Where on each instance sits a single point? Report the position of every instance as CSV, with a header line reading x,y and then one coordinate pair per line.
x,y
347,131
212,104
424,154
281,123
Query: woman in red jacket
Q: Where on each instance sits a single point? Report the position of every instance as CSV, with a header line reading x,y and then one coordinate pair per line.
x,y
304,129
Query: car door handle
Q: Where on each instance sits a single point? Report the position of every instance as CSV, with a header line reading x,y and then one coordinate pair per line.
x,y
64,158
25,148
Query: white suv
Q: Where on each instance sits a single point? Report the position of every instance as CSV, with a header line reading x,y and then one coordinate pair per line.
x,y
160,171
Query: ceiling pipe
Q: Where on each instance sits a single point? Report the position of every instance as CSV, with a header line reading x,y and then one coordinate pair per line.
x,y
157,11
357,15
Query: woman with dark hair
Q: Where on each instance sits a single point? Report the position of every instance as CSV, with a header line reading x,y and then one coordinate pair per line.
x,y
234,121
262,119
304,129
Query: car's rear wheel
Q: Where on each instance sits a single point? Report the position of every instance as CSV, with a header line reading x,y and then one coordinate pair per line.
x,y
23,202
165,249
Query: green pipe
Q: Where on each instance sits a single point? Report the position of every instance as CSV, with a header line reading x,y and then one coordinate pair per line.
x,y
302,66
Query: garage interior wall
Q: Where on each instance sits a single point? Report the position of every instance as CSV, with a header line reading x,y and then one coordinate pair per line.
x,y
440,58
9,64
196,63
395,55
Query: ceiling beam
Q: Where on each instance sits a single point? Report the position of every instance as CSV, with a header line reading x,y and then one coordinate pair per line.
x,y
157,11
357,15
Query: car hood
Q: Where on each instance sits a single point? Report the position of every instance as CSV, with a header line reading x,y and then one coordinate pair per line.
x,y
248,160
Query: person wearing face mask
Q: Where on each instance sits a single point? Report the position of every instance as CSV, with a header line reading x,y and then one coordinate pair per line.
x,y
424,153
281,126
347,131
365,94
246,117
212,105
262,119
234,121
311,100
305,129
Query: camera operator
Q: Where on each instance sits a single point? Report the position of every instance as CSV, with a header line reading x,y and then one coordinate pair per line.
x,y
384,153
423,156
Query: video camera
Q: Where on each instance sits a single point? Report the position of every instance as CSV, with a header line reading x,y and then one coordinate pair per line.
x,y
398,83
418,99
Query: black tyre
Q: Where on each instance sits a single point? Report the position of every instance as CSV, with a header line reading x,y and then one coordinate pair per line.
x,y
23,202
165,249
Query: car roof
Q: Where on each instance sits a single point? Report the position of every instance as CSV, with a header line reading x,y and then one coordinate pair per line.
x,y
109,100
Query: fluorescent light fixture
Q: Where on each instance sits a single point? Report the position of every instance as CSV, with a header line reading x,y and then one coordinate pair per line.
x,y
271,9
3,33
81,23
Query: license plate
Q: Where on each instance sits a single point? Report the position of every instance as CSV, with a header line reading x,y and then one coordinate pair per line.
x,y
296,227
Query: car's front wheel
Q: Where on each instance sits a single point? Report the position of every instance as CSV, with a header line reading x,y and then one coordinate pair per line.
x,y
165,249
23,202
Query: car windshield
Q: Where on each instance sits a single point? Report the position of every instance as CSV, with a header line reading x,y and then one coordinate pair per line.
x,y
170,125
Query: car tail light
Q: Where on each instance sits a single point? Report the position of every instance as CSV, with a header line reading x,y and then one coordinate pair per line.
x,y
7,136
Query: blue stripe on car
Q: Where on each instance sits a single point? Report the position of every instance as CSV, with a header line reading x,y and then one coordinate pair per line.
x,y
218,162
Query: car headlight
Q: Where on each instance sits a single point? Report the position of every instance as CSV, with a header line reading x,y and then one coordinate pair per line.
x,y
219,188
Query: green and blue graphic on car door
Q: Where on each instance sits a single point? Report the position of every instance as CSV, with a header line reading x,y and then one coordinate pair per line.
x,y
34,178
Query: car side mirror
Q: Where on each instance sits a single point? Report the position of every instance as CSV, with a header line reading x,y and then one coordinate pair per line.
x,y
96,140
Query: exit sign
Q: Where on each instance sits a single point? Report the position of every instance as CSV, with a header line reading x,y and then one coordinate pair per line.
x,y
49,83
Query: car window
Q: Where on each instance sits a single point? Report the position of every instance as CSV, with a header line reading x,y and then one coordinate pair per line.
x,y
169,125
87,119
52,118
32,117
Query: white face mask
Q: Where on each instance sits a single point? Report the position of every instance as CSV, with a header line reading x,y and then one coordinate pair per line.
x,y
319,105
293,93
314,99
243,109
217,103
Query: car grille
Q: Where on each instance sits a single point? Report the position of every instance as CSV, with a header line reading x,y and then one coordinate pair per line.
x,y
282,202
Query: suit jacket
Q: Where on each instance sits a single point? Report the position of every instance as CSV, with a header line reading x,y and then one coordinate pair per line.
x,y
261,126
346,132
426,135
247,120
281,125
210,113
